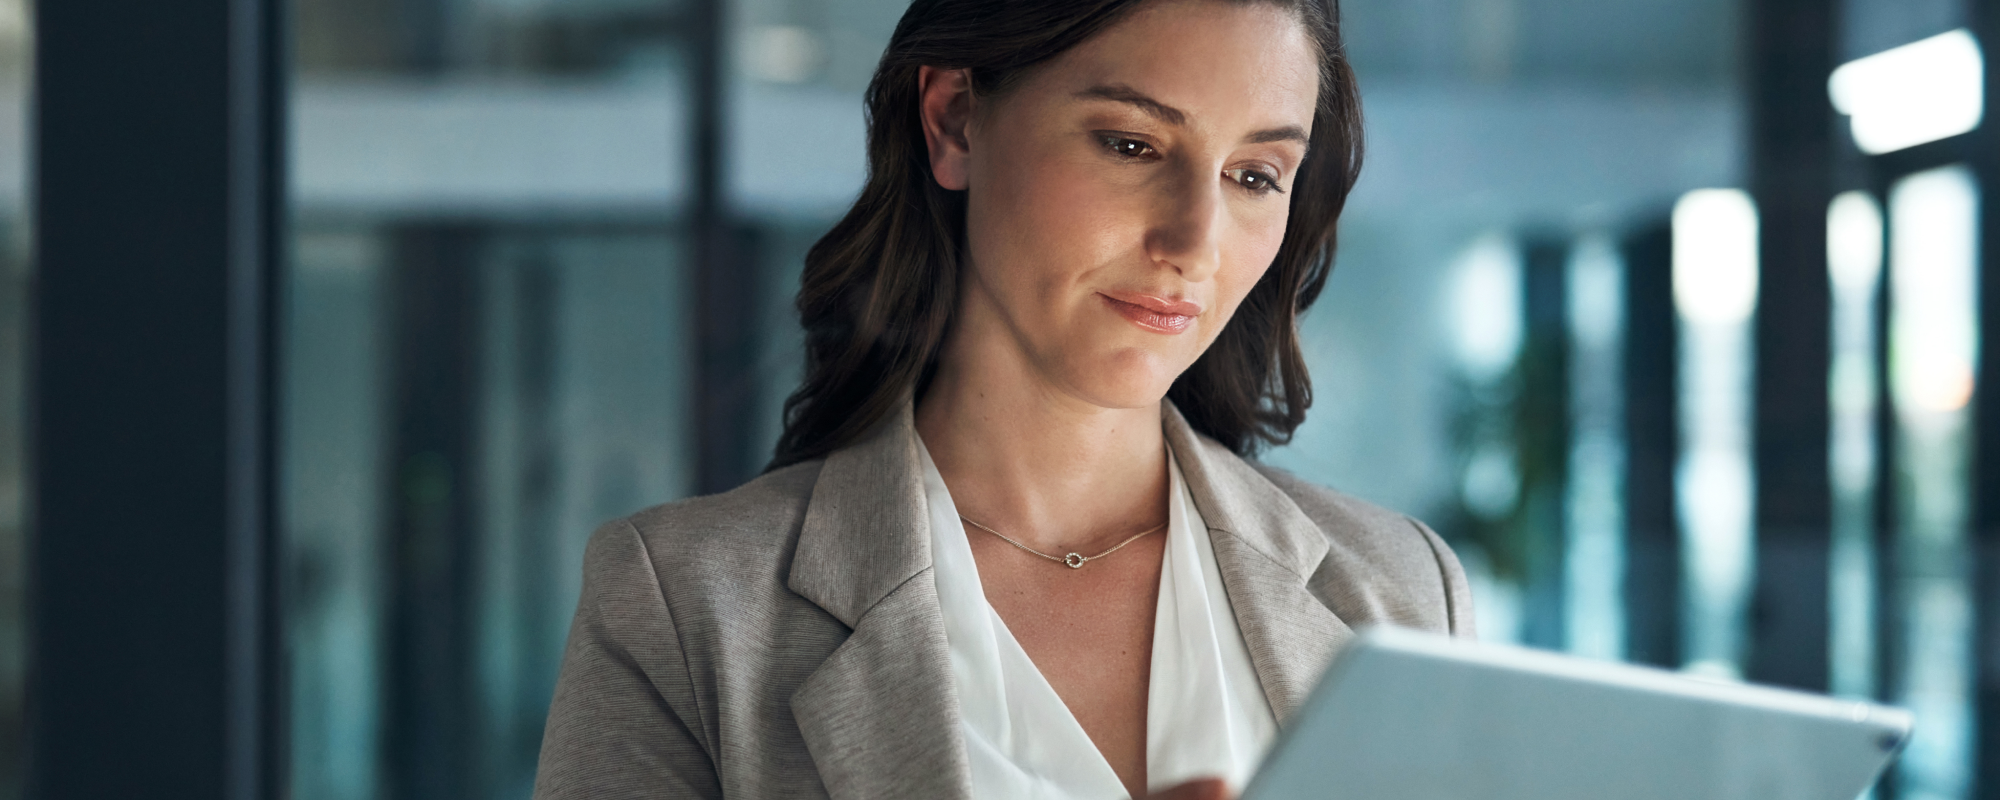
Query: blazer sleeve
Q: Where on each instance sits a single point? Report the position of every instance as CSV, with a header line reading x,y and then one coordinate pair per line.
x,y
1457,592
625,721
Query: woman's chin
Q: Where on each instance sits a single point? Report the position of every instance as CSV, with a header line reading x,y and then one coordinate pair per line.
x,y
1122,387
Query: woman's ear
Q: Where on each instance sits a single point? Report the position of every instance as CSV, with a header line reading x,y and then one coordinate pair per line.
x,y
944,101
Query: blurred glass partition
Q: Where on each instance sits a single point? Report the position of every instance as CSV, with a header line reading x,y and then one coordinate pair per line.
x,y
1594,570
1470,354
332,500
488,348
1715,292
799,160
1854,260
1933,338
1489,337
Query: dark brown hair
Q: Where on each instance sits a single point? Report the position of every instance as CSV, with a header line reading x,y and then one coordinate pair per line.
x,y
879,289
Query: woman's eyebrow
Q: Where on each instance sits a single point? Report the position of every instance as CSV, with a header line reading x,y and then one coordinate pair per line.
x,y
1289,133
1120,93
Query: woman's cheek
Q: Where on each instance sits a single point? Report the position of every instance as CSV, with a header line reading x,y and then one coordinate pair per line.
x,y
1084,188
1259,247
1081,217
1267,230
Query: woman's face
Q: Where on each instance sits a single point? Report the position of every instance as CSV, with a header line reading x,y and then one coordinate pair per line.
x,y
1124,198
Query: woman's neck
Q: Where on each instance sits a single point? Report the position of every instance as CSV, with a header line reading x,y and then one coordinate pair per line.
x,y
1034,462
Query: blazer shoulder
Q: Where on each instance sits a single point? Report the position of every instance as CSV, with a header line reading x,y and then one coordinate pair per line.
x,y
1413,576
1347,519
775,500
745,533
684,642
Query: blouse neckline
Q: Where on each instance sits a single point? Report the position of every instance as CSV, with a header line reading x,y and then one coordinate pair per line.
x,y
1207,714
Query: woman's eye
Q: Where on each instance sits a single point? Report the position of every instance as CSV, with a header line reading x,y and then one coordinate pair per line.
x,y
1258,182
1129,148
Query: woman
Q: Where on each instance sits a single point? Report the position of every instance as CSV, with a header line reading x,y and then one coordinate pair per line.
x,y
1010,546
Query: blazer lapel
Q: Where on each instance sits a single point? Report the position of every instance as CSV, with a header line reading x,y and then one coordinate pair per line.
x,y
1266,549
880,716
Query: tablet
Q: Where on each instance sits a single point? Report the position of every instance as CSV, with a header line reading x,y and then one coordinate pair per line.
x,y
1410,716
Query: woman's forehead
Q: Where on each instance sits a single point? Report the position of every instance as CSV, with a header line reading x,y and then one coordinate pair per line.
x,y
1213,62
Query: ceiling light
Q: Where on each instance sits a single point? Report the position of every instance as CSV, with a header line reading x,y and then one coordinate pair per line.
x,y
1921,92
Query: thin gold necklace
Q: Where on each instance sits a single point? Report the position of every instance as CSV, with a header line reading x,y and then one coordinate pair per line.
x,y
1073,560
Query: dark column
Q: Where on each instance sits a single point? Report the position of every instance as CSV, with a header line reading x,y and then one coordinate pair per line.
x,y
516,741
432,555
1652,402
1985,149
1543,435
153,655
1889,605
725,279
1790,51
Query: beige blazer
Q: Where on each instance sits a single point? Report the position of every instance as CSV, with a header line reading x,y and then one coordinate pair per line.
x,y
783,640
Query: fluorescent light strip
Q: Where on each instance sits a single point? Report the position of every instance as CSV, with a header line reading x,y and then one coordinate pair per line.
x,y
1921,92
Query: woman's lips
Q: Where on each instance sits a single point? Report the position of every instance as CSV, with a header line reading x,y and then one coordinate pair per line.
x,y
1156,314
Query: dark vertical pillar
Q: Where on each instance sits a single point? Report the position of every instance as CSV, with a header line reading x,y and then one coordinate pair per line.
x,y
431,710
1790,50
431,732
1889,640
518,738
1986,429
725,278
154,663
1543,432
1652,401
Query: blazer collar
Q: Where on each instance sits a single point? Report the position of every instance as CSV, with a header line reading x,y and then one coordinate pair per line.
x,y
1234,497
1267,550
880,716
866,529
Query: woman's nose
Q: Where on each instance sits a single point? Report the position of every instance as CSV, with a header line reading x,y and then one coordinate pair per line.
x,y
1185,231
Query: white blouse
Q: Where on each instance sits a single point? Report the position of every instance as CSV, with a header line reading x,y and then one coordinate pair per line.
x,y
1206,714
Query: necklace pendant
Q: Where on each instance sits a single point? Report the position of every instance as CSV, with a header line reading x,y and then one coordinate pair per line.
x,y
1074,560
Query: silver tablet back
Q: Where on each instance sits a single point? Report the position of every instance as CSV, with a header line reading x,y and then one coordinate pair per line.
x,y
1409,716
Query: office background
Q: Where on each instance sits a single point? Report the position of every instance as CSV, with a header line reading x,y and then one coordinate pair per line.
x,y
330,329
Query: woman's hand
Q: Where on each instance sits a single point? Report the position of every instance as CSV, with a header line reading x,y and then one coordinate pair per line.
x,y
1199,789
